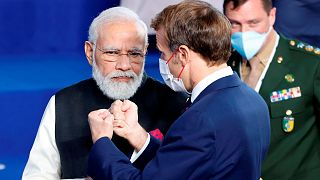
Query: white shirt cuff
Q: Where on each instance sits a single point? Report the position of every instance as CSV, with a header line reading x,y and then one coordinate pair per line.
x,y
136,153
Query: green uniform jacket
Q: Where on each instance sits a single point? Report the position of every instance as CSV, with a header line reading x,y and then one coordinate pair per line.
x,y
294,154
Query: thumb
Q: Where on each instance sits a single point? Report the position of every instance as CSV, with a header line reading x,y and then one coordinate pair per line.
x,y
128,105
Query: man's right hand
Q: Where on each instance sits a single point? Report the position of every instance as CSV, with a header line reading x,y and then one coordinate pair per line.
x,y
126,123
100,122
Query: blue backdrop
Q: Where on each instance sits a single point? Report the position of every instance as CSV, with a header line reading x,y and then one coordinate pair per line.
x,y
47,26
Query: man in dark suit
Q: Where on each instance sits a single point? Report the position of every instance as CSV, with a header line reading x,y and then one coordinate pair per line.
x,y
116,50
224,134
299,19
286,73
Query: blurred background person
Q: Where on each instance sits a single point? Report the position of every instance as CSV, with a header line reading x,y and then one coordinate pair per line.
x,y
148,9
298,19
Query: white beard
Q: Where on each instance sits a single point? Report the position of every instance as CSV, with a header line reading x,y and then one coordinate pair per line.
x,y
117,90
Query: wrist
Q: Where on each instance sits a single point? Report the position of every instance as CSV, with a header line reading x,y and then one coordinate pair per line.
x,y
138,138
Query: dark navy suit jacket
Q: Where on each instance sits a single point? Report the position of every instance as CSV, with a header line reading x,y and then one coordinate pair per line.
x,y
223,135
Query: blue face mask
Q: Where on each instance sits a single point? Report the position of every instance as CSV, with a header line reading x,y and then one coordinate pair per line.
x,y
248,43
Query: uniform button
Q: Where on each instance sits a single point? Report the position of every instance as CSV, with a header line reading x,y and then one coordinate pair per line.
x,y
292,43
288,112
280,59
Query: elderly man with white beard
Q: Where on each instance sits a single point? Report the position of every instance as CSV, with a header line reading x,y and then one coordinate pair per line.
x,y
116,49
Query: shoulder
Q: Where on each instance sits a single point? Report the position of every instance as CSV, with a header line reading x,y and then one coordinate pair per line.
x,y
299,48
158,96
163,90
155,84
82,86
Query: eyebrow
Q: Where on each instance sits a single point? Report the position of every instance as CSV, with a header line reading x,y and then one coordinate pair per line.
x,y
248,21
110,49
253,21
135,49
116,49
233,21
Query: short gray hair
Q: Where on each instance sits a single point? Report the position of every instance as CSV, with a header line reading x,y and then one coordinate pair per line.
x,y
116,14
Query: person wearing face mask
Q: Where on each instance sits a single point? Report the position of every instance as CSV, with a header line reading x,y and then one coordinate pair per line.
x,y
116,49
286,73
224,134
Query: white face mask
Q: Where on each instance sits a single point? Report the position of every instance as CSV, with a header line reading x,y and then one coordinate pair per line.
x,y
175,84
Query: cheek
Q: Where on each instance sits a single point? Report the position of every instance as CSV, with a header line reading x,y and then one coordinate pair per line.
x,y
262,28
104,68
137,68
234,30
174,71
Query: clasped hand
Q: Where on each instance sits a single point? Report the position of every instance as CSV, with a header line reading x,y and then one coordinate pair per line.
x,y
121,118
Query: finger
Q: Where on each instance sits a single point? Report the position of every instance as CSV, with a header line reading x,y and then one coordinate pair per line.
x,y
119,115
104,114
118,123
116,106
127,104
109,118
95,114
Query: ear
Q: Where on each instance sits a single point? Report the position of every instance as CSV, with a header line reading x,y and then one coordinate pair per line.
x,y
88,49
272,16
184,54
145,50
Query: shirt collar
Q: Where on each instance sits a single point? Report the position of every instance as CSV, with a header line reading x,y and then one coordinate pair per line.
x,y
264,54
227,71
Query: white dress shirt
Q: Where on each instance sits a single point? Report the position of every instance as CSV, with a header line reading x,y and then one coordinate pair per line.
x,y
227,71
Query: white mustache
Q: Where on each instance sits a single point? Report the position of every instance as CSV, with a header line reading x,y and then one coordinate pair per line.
x,y
116,74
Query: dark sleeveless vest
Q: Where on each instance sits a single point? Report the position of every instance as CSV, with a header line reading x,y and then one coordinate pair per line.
x,y
158,107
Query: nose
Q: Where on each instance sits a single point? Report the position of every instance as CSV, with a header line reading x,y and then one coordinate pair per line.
x,y
123,63
243,29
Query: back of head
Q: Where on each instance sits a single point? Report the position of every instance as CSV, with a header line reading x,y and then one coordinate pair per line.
x,y
116,14
197,25
267,4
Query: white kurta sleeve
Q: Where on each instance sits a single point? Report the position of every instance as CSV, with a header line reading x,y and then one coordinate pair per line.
x,y
44,158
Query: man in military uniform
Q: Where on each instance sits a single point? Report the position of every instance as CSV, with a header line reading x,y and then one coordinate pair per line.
x,y
286,73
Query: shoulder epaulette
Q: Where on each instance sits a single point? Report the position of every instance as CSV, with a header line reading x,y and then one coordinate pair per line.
x,y
304,47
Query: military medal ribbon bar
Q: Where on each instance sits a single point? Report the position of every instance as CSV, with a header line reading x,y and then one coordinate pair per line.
x,y
285,94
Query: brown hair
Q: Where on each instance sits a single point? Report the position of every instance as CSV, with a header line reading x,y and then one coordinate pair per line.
x,y
267,4
199,26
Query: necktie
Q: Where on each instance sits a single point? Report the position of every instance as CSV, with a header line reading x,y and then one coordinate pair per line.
x,y
254,73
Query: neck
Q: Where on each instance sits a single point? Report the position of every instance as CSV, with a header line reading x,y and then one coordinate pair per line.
x,y
199,74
